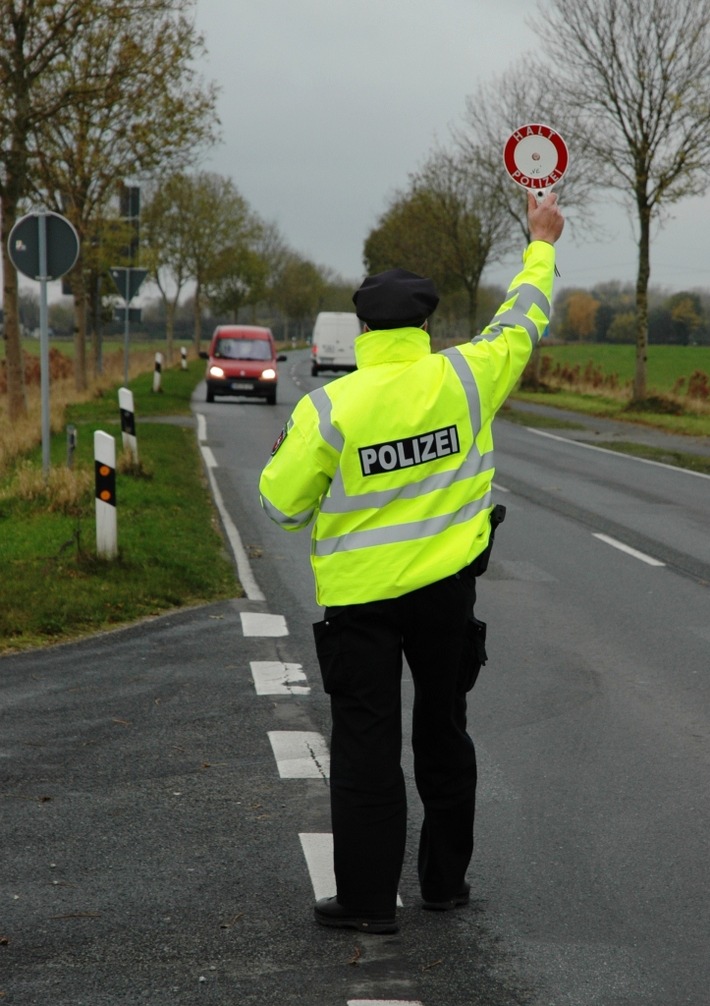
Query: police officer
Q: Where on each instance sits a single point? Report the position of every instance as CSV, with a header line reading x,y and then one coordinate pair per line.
x,y
395,461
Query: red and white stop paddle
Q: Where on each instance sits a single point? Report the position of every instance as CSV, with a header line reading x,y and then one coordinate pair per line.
x,y
536,158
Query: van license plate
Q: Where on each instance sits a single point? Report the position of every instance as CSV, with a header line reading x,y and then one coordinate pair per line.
x,y
240,386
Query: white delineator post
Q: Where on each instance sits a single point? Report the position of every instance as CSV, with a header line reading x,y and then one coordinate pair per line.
x,y
128,422
105,479
183,358
157,372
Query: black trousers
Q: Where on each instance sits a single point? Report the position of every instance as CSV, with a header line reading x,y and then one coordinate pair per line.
x,y
360,650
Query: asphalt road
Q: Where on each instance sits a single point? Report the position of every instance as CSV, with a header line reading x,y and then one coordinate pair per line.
x,y
161,845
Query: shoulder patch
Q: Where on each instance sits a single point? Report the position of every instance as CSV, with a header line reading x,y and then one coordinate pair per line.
x,y
279,440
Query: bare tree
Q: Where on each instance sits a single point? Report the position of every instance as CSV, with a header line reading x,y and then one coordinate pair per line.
x,y
640,71
35,40
299,290
519,96
138,106
471,226
197,228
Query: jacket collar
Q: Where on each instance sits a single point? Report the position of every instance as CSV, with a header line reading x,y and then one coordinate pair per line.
x,y
392,345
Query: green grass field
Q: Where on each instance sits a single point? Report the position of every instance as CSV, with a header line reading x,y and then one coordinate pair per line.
x,y
665,363
664,408
109,345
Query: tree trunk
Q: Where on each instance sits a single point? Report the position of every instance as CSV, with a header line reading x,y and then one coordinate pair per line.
x,y
197,314
472,290
644,273
170,309
96,324
15,371
79,291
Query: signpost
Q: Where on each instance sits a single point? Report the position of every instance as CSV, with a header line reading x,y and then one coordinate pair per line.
x,y
536,158
43,246
128,283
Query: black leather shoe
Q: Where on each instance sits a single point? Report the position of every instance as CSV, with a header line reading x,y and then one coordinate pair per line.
x,y
329,913
457,901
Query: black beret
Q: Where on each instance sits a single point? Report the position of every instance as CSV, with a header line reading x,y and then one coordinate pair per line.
x,y
395,297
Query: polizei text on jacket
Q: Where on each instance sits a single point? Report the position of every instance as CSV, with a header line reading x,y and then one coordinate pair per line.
x,y
409,451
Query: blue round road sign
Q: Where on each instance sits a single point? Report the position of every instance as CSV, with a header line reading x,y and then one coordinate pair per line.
x,y
61,246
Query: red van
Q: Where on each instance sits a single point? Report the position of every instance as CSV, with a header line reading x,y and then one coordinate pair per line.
x,y
242,361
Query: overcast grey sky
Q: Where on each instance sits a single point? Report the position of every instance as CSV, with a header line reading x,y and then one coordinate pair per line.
x,y
327,105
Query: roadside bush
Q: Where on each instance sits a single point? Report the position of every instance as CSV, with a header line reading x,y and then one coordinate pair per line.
x,y
60,367
698,386
544,374
63,490
660,405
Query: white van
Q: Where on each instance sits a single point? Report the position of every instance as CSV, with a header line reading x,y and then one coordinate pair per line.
x,y
333,336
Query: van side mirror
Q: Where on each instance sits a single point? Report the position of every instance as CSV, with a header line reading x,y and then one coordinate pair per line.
x,y
281,358
204,356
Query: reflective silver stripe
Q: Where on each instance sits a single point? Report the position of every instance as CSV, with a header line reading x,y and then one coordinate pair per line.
x,y
527,296
398,533
338,501
323,406
283,519
465,375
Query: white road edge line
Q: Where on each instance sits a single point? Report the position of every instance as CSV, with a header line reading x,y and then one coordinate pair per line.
x,y
648,559
244,571
209,458
616,454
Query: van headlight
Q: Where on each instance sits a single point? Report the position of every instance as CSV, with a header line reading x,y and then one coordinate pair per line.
x,y
269,374
216,372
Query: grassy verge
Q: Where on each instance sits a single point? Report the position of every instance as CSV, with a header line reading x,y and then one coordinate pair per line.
x,y
171,552
523,418
679,459
688,423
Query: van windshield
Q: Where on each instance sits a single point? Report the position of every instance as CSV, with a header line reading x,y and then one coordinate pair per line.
x,y
243,349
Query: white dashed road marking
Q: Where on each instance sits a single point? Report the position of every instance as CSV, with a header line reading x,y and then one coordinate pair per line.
x,y
300,754
271,677
318,850
384,1002
256,623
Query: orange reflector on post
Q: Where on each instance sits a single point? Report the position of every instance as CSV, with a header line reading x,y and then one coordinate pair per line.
x,y
105,483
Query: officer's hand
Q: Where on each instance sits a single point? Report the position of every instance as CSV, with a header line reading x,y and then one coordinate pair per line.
x,y
545,220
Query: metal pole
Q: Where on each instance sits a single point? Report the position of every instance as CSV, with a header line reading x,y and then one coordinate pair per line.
x,y
71,445
125,327
43,339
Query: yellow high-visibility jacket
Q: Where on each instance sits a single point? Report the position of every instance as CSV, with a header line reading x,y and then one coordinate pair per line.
x,y
395,460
